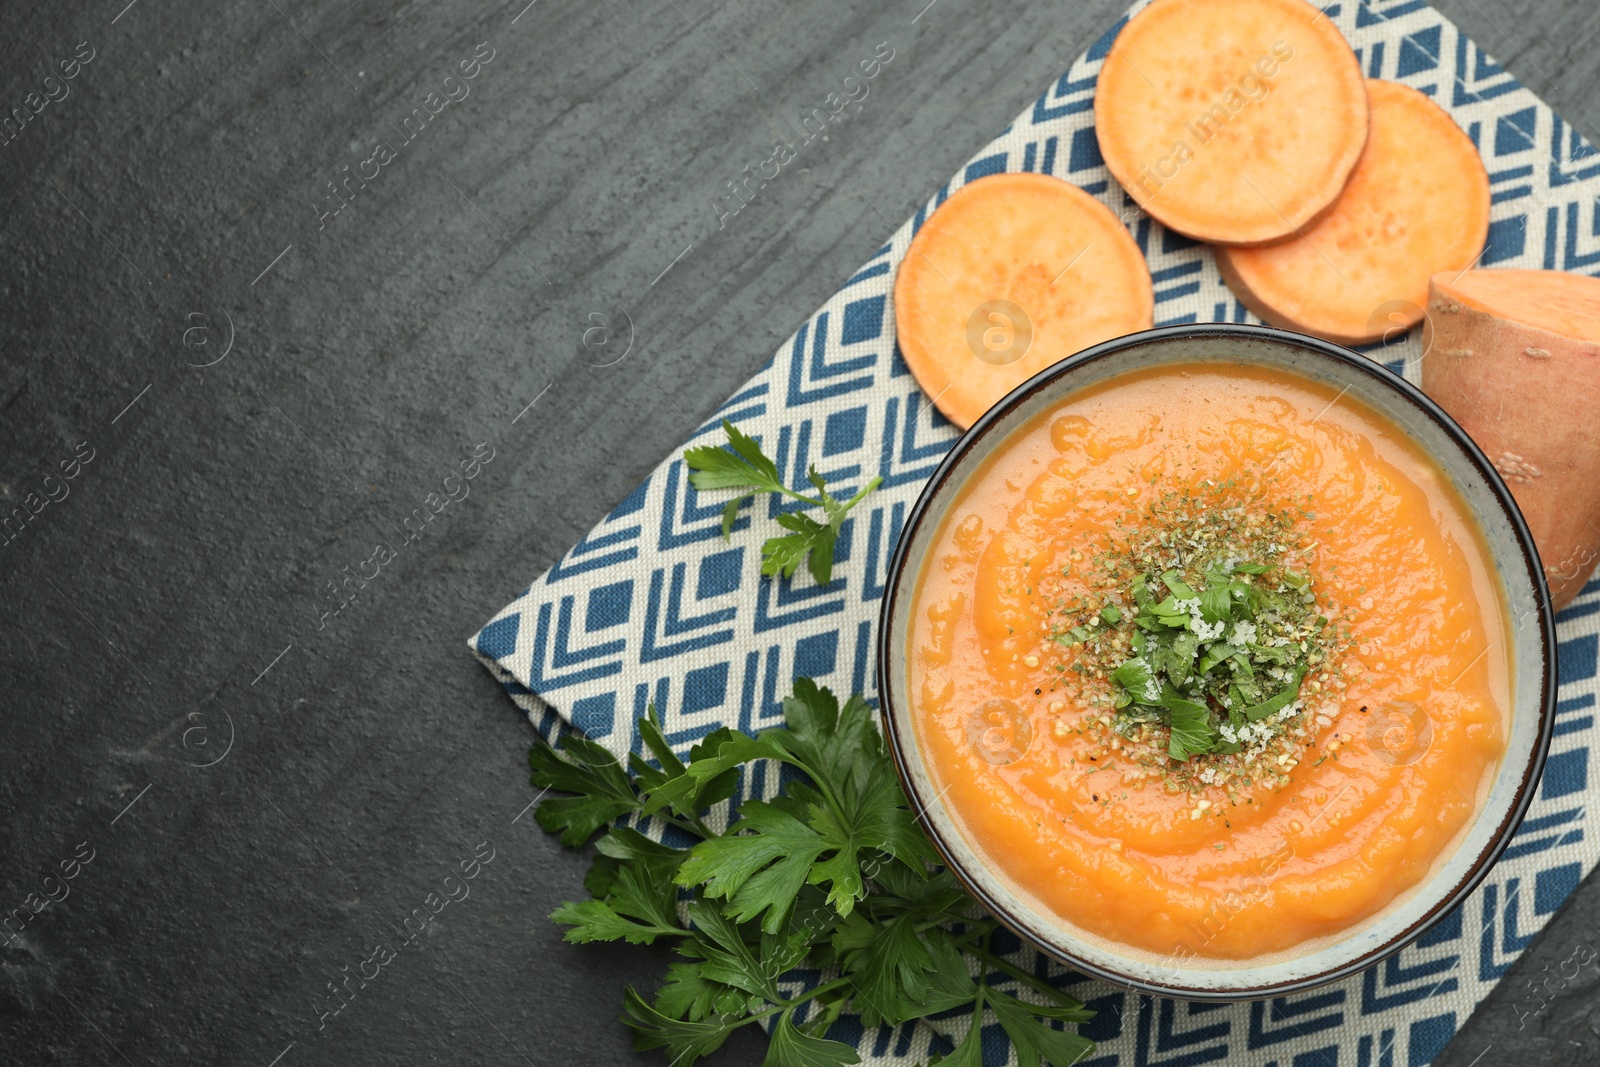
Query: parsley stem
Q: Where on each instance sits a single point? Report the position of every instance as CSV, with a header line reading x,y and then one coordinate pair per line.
x,y
974,927
790,1005
826,987
876,481
1019,974
786,491
689,823
818,1026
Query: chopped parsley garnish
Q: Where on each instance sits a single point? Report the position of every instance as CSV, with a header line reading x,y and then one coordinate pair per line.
x,y
1210,661
1202,632
832,875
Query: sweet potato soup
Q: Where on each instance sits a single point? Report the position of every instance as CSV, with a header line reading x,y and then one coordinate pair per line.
x,y
1206,660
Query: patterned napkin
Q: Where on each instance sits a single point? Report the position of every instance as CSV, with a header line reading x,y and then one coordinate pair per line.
x,y
653,605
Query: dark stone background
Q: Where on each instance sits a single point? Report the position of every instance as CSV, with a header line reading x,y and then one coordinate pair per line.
x,y
172,601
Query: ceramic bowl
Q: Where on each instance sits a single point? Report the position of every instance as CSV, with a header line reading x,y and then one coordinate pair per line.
x,y
1513,562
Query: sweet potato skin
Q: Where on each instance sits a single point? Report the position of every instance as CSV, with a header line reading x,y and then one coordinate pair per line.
x,y
1402,321
1528,397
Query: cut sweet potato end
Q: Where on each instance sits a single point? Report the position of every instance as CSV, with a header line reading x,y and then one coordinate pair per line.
x,y
1231,121
1514,356
1417,204
1563,303
1013,273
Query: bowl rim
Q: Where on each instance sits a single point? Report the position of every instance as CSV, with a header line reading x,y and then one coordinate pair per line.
x,y
902,748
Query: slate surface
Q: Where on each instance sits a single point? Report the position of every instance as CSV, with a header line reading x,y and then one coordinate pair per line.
x,y
177,598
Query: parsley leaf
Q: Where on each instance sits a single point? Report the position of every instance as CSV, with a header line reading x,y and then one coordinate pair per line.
x,y
901,973
689,994
634,897
761,867
1036,1041
1215,654
596,920
726,957
1180,657
603,791
791,1048
1138,680
697,794
812,541
1216,600
1191,727
686,1040
1179,587
742,465
1260,711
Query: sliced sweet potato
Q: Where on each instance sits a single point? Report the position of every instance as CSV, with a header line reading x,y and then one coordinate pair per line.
x,y
1012,273
1232,121
1514,356
1417,204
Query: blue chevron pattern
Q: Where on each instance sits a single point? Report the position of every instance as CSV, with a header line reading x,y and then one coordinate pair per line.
x,y
653,605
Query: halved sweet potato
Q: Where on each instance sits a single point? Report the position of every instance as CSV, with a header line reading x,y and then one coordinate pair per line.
x,y
1417,204
1012,273
1514,356
1232,121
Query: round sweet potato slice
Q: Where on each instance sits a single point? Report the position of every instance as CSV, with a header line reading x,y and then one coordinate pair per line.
x,y
1231,121
1011,274
1417,204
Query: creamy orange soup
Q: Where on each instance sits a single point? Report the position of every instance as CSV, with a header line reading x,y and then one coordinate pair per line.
x,y
1401,726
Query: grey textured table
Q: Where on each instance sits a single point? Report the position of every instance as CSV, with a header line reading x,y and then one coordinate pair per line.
x,y
266,386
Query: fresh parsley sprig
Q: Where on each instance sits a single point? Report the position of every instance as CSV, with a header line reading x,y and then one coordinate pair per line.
x,y
742,465
832,874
